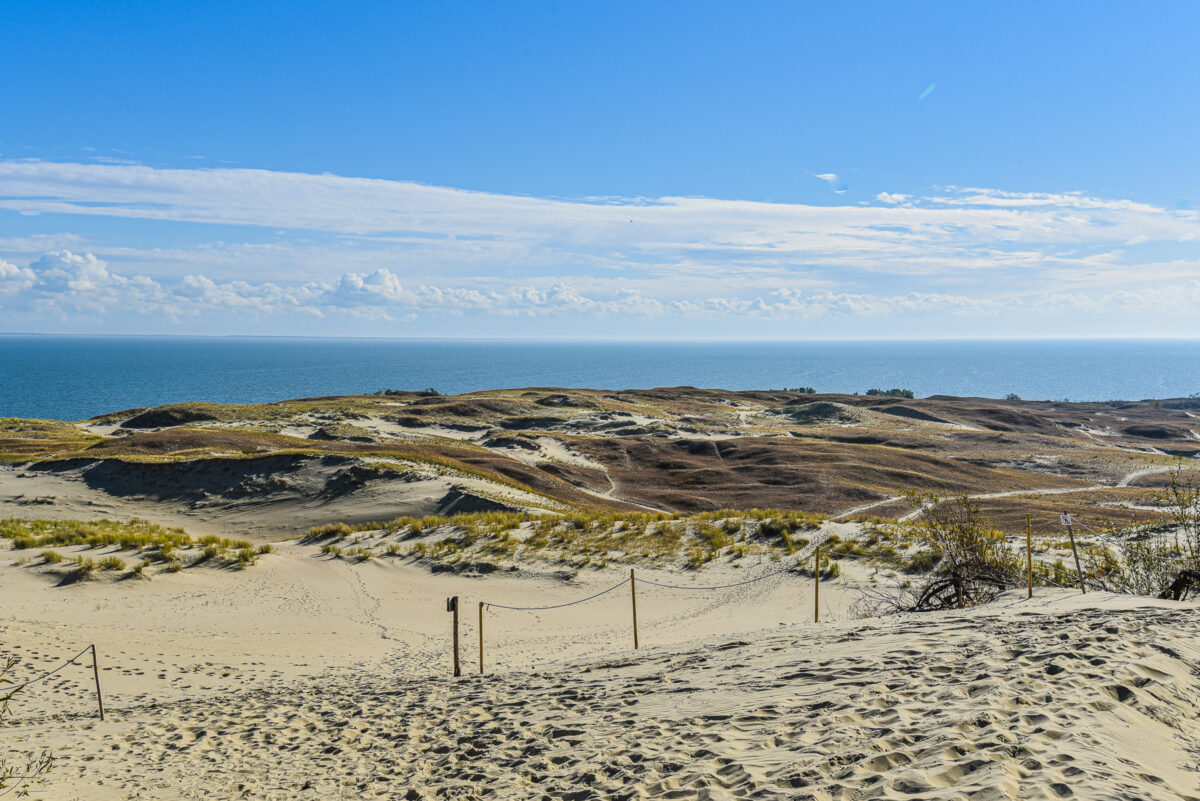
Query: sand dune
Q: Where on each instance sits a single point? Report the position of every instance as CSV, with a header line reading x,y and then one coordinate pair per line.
x,y
309,677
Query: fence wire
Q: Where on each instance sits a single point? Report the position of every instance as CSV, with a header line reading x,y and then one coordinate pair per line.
x,y
44,676
717,586
556,606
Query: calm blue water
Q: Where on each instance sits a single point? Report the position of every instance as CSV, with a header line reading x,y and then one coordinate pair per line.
x,y
74,378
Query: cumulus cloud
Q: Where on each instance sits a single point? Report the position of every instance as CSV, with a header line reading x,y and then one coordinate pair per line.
x,y
15,279
393,250
64,282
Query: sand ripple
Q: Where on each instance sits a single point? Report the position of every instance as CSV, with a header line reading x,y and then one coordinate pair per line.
x,y
1086,703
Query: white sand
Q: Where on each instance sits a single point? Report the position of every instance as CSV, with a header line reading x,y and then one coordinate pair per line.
x,y
306,677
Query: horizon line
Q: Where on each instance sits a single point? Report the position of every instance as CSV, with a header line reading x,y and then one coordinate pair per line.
x,y
629,340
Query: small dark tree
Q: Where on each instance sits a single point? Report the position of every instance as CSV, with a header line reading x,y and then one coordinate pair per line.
x,y
975,564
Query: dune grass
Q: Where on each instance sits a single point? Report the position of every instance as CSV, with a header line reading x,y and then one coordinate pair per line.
x,y
578,539
165,545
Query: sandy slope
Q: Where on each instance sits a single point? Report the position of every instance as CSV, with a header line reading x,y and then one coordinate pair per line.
x,y
257,499
304,677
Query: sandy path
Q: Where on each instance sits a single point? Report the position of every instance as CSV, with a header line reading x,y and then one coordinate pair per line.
x,y
1124,482
611,494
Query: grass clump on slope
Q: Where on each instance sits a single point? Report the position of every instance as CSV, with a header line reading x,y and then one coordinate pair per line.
x,y
168,545
581,538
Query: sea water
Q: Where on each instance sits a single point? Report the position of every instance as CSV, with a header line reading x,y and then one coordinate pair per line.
x,y
73,378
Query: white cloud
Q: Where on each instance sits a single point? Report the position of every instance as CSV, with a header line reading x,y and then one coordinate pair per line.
x,y
835,183
15,279
62,283
953,228
323,246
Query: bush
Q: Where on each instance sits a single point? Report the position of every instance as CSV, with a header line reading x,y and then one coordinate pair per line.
x,y
112,563
970,561
51,557
1182,499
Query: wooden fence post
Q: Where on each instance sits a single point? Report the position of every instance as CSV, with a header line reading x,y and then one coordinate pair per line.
x,y
452,606
1071,533
96,673
1029,554
633,598
481,638
817,585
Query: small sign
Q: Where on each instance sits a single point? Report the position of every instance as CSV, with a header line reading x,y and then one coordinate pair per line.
x,y
1064,519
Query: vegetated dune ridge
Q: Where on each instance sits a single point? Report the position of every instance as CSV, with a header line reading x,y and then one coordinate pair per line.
x,y
305,678
272,470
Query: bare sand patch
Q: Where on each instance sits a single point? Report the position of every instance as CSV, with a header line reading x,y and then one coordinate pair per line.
x,y
308,676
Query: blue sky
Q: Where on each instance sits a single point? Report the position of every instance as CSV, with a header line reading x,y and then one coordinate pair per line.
x,y
657,170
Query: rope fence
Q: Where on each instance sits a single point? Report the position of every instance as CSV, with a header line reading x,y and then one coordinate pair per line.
x,y
1066,520
621,583
719,586
814,550
8,692
47,674
633,581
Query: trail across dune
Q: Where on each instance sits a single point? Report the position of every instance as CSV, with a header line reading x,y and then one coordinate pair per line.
x,y
1125,481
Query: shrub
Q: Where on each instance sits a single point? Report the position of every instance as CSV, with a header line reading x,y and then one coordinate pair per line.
x,y
112,563
174,566
974,560
1182,499
51,557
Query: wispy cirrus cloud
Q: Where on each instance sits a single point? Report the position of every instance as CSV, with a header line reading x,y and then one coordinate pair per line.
x,y
394,250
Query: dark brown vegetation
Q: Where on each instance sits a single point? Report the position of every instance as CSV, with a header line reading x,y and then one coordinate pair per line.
x,y
687,450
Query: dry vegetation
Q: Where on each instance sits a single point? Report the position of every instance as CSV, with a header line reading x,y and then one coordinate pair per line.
x,y
488,541
111,542
679,451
